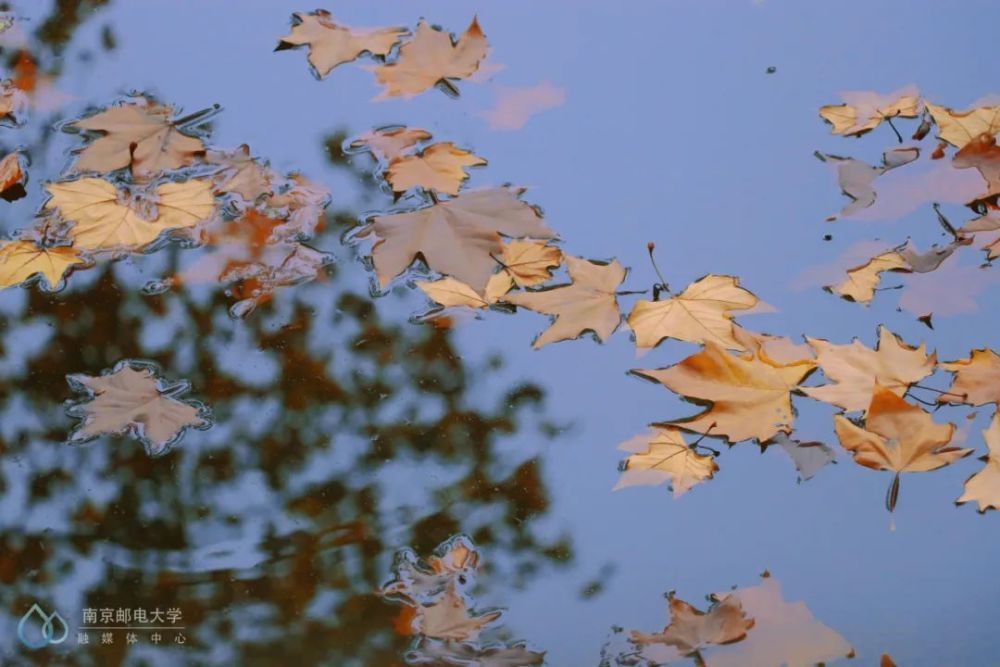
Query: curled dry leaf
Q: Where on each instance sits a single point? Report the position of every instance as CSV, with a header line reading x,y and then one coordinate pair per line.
x,y
388,143
431,57
661,455
959,128
748,395
976,381
856,369
692,630
862,280
418,582
12,178
20,261
331,44
459,237
140,135
529,263
132,399
808,457
784,633
588,303
863,111
984,486
897,437
100,222
982,153
439,167
701,313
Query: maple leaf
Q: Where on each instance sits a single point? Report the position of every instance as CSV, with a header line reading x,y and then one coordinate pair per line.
x,y
661,455
976,381
984,486
959,128
12,177
855,369
331,44
140,135
418,582
856,178
748,395
897,437
702,312
283,265
241,173
102,223
432,57
862,280
777,348
458,237
21,261
529,263
439,167
449,617
784,633
691,630
302,206
451,293
864,111
983,154
808,457
588,303
389,142
132,399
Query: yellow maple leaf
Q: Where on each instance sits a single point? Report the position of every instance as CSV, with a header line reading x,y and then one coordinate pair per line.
x,y
702,312
959,128
529,263
776,348
661,455
431,57
748,395
984,486
21,260
451,293
862,280
692,630
856,368
588,303
439,167
102,223
977,379
864,111
331,44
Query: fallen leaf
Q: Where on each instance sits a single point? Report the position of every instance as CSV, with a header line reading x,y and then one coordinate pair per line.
x,y
331,44
588,303
748,395
13,102
284,265
784,633
976,380
984,486
451,293
102,223
12,178
661,455
959,128
458,237
864,111
862,280
982,153
139,135
417,582
439,167
856,178
691,630
897,437
808,457
388,143
701,313
241,173
777,348
302,205
431,57
132,399
529,263
22,260
449,618
856,369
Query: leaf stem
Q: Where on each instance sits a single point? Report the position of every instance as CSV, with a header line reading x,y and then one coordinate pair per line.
x,y
663,286
198,116
944,222
892,494
898,135
635,291
697,443
938,391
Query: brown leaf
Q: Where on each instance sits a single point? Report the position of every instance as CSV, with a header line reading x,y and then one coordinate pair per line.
x,y
959,128
984,486
976,381
451,293
530,263
661,455
242,174
439,167
331,44
12,178
691,630
983,154
588,303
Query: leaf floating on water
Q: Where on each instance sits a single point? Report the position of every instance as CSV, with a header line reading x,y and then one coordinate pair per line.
x,y
241,173
777,348
864,111
661,455
389,143
529,263
140,135
451,293
808,457
976,379
702,312
856,369
959,128
431,57
20,261
12,178
256,282
692,630
984,486
439,167
101,222
862,280
302,206
856,178
588,303
131,399
749,395
331,44
982,153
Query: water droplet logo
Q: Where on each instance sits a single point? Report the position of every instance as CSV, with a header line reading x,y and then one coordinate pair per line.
x,y
51,628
